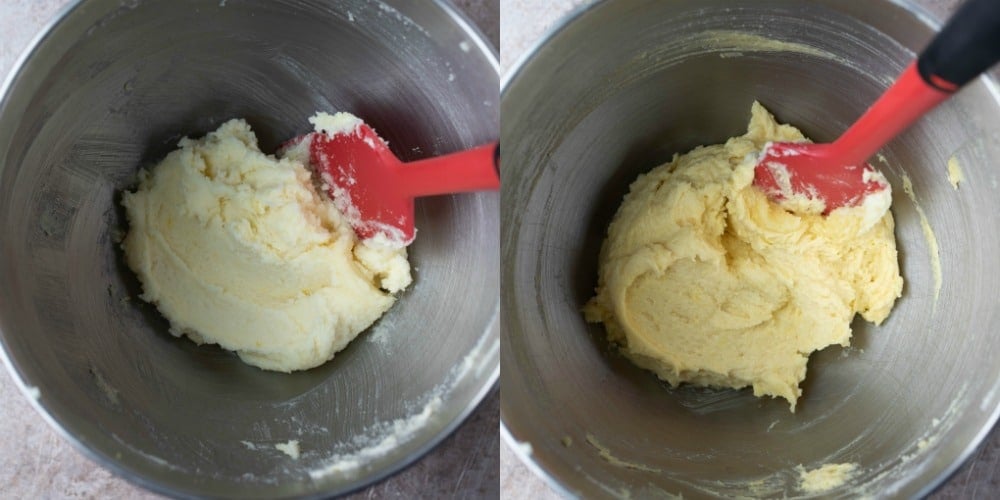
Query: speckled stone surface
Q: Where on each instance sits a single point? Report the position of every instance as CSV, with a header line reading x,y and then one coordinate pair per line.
x,y
523,23
35,462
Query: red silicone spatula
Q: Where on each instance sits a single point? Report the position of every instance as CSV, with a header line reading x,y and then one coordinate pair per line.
x,y
376,191
837,173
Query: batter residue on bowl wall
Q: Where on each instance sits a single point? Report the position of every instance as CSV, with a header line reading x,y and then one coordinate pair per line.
x,y
606,455
241,249
703,280
955,174
932,244
290,448
826,478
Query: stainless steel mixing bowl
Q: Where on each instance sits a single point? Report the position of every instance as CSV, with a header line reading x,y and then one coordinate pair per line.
x,y
111,86
617,90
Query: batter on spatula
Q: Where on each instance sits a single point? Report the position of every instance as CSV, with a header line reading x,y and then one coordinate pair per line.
x,y
703,280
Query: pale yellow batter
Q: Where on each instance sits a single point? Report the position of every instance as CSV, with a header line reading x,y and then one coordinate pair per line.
x,y
955,174
703,280
240,249
826,477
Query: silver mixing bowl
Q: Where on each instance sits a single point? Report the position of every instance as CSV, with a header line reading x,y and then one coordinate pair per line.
x,y
617,90
111,86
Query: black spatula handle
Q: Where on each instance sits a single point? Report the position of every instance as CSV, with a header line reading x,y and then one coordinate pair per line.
x,y
967,46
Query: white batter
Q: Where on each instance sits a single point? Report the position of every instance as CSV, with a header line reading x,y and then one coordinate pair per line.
x,y
241,249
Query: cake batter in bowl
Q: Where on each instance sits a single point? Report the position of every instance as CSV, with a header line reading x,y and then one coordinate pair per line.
x,y
895,413
111,87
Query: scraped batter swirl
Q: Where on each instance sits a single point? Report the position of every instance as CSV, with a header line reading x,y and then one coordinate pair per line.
x,y
703,280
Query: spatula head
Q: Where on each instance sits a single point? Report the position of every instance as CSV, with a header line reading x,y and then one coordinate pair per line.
x,y
810,174
359,173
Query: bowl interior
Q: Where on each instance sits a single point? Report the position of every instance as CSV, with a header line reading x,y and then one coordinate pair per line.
x,y
907,401
112,87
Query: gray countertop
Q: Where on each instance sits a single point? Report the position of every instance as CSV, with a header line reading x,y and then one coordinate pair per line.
x,y
524,22
35,462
